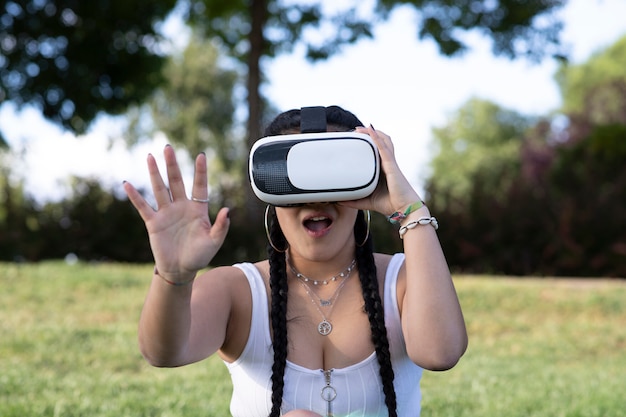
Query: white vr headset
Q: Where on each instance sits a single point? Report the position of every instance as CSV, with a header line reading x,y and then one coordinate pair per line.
x,y
313,166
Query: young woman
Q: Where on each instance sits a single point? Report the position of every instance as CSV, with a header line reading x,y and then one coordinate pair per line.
x,y
324,326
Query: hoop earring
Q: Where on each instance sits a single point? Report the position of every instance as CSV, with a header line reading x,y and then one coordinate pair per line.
x,y
267,232
368,220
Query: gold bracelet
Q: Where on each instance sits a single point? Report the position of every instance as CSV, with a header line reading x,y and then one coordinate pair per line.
x,y
173,283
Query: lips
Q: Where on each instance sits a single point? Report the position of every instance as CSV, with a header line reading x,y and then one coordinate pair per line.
x,y
317,225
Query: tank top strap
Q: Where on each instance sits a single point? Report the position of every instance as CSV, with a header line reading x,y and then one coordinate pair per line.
x,y
259,337
390,301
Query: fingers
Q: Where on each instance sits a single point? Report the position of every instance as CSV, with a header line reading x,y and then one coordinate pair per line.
x,y
393,188
221,225
199,188
382,141
165,194
137,200
159,188
174,176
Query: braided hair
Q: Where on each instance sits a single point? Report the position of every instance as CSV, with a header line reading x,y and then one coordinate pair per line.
x,y
337,119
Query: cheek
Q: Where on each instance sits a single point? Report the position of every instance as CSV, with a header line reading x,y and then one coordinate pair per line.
x,y
345,227
288,224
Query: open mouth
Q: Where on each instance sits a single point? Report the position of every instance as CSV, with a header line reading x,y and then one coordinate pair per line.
x,y
318,223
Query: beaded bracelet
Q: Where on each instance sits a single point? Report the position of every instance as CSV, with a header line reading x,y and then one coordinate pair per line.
x,y
173,283
398,216
422,221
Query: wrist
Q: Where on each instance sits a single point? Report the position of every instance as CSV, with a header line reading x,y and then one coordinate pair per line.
x,y
177,281
399,216
422,221
421,212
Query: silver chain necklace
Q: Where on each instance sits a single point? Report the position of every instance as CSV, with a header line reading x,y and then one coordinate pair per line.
x,y
342,274
325,327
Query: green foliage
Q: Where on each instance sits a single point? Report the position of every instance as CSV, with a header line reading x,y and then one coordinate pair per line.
x,y
557,217
93,224
552,207
195,108
80,58
76,58
480,140
516,28
588,186
603,69
537,347
285,25
527,29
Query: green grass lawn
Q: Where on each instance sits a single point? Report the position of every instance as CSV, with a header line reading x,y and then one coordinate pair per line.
x,y
538,347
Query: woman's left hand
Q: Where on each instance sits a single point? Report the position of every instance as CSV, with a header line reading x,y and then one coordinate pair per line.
x,y
394,192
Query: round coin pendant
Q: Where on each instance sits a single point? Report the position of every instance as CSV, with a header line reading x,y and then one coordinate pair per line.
x,y
324,328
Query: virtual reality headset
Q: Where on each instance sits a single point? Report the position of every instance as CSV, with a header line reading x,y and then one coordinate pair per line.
x,y
314,166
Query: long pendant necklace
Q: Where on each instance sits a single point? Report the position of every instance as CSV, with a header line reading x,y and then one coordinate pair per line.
x,y
325,327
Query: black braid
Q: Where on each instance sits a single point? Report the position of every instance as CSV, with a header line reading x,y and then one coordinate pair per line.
x,y
278,313
375,311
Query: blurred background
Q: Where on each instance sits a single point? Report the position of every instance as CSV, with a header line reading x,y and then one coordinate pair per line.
x,y
509,117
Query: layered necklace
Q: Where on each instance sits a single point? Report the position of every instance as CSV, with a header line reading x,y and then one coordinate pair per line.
x,y
324,327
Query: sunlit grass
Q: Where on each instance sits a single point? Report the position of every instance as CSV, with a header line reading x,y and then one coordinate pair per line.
x,y
69,348
538,347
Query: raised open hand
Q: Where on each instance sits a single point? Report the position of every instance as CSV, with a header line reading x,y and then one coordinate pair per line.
x,y
182,237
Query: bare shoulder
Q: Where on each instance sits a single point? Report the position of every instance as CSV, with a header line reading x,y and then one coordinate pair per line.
x,y
228,283
223,275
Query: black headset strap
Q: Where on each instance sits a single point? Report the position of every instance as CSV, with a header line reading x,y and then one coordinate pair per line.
x,y
312,119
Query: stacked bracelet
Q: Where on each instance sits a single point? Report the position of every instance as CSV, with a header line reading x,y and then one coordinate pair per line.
x,y
174,283
398,216
422,221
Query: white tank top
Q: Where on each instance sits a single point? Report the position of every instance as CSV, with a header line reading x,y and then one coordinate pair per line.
x,y
358,387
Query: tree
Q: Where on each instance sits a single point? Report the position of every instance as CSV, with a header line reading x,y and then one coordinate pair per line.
x,y
517,29
83,57
480,137
73,59
255,29
251,30
604,68
195,108
557,213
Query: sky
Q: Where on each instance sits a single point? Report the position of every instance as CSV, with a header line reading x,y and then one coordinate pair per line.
x,y
397,83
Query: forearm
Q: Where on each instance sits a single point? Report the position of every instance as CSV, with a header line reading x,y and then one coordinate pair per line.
x,y
165,323
432,320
